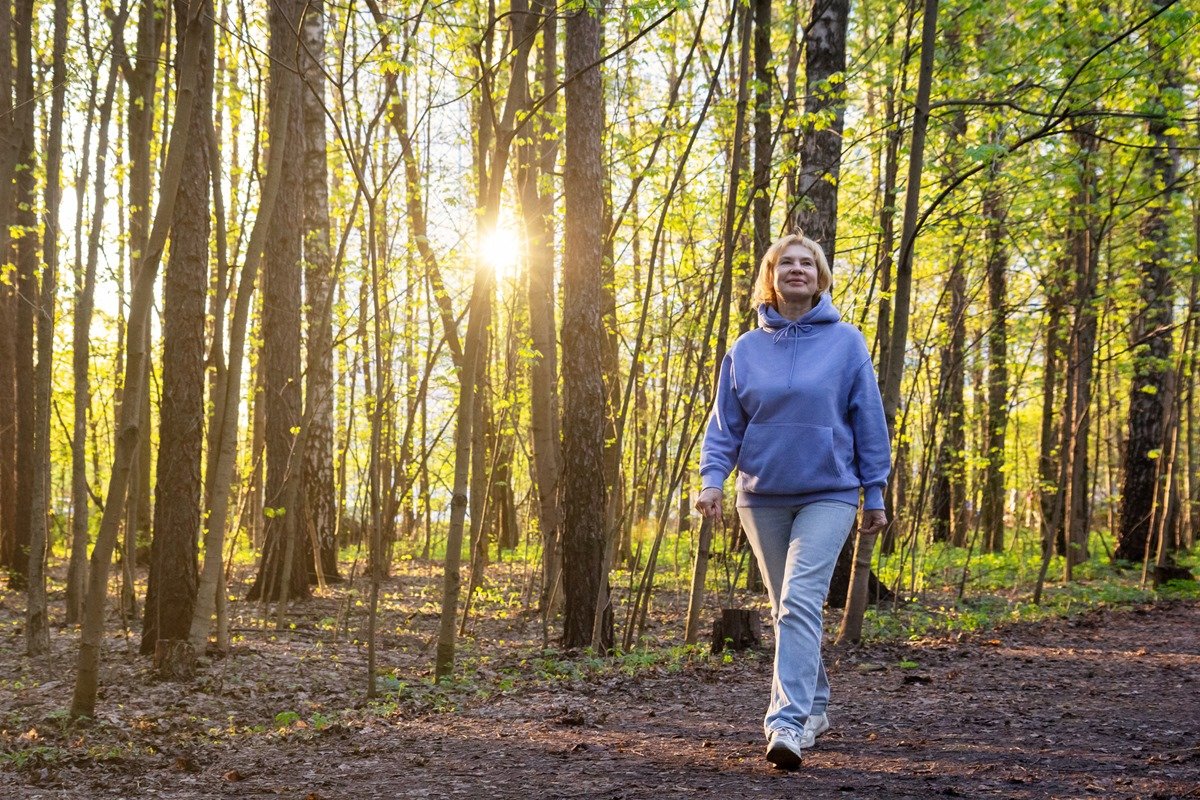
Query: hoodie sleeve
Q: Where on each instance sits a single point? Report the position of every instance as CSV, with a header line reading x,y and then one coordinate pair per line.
x,y
872,445
723,436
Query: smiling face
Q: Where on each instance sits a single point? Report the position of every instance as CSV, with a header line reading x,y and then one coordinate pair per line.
x,y
797,280
773,286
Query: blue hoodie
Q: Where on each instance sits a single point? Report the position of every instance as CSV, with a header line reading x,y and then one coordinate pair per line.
x,y
798,412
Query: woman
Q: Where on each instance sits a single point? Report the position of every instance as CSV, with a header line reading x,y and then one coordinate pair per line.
x,y
798,413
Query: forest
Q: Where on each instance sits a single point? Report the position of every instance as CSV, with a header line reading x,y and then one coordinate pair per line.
x,y
355,358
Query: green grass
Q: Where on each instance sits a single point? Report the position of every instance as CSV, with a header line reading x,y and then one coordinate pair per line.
x,y
945,590
925,617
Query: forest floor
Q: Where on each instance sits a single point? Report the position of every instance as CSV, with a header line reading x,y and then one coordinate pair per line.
x,y
1104,703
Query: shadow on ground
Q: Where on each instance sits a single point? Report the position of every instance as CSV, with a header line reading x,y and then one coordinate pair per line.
x,y
1104,705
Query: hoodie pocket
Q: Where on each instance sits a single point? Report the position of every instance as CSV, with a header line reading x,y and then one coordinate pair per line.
x,y
788,458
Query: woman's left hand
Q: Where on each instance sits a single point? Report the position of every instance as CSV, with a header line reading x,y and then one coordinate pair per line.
x,y
873,521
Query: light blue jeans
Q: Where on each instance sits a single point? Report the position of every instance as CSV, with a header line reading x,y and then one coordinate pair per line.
x,y
797,548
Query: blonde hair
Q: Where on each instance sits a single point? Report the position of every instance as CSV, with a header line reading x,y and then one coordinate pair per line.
x,y
764,285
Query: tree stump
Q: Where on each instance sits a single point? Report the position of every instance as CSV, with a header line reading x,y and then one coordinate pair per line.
x,y
1171,572
174,660
839,585
737,629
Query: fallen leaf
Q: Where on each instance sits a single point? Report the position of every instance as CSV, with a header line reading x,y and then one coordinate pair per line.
x,y
185,764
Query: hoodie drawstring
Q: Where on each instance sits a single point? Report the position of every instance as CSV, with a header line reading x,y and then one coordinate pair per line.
x,y
797,325
782,333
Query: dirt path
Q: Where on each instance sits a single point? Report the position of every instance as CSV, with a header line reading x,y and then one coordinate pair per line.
x,y
1105,705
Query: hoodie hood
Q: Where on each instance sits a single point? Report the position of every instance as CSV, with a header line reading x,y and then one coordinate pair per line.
x,y
822,313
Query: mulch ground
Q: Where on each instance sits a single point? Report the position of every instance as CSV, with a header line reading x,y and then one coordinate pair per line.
x,y
1105,704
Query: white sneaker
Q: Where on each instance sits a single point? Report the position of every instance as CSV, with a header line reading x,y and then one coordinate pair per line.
x,y
784,749
814,727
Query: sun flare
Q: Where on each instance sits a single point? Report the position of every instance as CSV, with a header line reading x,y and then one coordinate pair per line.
x,y
501,250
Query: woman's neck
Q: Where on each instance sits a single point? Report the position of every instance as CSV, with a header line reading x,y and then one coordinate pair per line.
x,y
796,309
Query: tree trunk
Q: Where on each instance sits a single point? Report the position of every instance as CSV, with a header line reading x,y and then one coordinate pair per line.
x,y
615,507
584,500
536,163
451,574
281,325
8,309
26,261
225,414
1051,494
815,204
1150,397
374,466
764,79
481,435
737,629
479,314
884,261
949,480
253,513
1192,345
728,245
893,360
320,498
87,677
691,627
141,77
1084,247
992,510
172,582
85,291
37,620
219,299
949,488
174,660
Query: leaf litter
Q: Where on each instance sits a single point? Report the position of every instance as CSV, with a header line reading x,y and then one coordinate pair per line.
x,y
1106,703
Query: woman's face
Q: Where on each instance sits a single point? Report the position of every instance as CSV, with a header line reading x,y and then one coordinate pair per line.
x,y
796,276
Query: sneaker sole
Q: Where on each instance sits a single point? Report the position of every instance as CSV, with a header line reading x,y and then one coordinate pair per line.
x,y
784,758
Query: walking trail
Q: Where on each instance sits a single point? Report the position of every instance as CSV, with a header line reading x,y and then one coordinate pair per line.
x,y
1106,704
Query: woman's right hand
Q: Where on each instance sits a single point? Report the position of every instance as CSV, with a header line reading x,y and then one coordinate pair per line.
x,y
709,502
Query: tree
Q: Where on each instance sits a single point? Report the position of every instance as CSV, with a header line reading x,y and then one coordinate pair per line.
x,y
281,325
320,499
728,245
498,131
37,618
87,676
227,398
893,361
174,548
536,160
816,201
1146,469
884,260
949,469
763,137
85,293
1084,235
584,502
141,79
26,261
993,504
8,306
